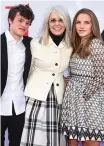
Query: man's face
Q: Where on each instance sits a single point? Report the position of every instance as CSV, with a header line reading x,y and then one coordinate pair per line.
x,y
19,26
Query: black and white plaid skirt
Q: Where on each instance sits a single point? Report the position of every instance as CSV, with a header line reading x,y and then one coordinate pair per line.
x,y
42,122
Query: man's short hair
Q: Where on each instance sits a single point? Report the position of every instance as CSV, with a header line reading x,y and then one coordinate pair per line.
x,y
24,10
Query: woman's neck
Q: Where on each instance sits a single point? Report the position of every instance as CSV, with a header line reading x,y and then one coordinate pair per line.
x,y
56,38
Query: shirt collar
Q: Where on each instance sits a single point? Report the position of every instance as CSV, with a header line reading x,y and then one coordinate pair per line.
x,y
10,37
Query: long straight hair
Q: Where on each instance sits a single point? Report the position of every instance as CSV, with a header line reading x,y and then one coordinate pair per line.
x,y
81,46
64,15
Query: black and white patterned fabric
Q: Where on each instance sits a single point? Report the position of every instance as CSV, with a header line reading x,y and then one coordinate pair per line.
x,y
83,103
42,126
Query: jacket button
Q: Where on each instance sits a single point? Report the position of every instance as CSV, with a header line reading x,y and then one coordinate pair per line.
x,y
57,84
53,74
56,64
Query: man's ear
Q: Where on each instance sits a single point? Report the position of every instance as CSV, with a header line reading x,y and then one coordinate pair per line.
x,y
10,21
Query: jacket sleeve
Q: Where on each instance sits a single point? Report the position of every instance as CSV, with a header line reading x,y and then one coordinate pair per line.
x,y
98,65
102,34
32,66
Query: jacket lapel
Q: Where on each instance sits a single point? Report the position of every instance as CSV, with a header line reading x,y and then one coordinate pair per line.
x,y
4,56
26,42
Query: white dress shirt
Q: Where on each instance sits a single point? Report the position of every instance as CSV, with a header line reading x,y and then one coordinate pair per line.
x,y
13,92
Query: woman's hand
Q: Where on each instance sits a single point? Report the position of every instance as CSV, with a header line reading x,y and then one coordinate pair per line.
x,y
66,80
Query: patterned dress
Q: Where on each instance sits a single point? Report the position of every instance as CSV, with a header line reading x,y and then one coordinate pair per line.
x,y
83,103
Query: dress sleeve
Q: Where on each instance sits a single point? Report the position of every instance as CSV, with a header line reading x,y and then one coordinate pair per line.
x,y
98,65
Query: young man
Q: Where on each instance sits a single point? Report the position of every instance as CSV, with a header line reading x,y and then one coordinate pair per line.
x,y
102,34
15,65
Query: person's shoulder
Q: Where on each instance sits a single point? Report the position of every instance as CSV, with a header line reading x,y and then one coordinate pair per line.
x,y
97,42
97,46
27,38
102,32
2,38
2,35
35,40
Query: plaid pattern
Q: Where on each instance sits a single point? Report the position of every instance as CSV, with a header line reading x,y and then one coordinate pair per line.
x,y
42,127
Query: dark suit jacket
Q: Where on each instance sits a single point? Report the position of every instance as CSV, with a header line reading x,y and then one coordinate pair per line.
x,y
102,34
4,60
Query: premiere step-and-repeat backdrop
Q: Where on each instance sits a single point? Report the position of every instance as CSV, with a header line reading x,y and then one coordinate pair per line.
x,y
41,7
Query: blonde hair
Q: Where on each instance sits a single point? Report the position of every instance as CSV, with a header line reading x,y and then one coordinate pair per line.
x,y
64,15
